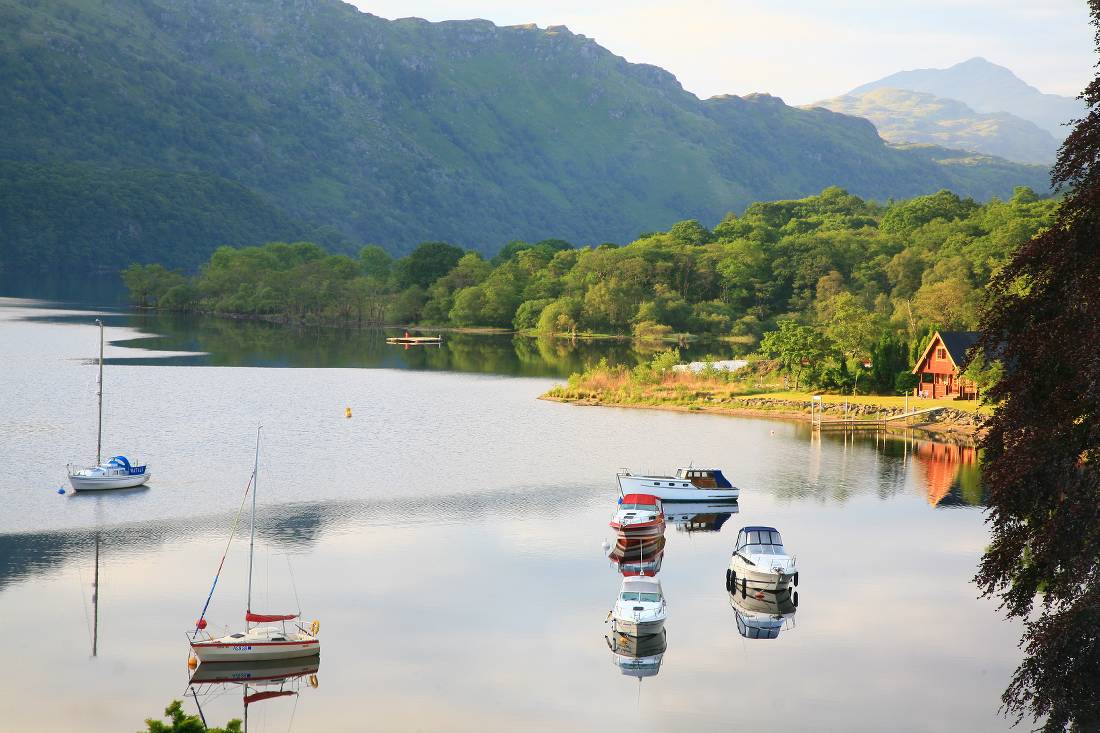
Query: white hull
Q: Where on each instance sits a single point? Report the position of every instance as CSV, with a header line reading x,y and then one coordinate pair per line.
x,y
103,483
218,651
670,488
756,579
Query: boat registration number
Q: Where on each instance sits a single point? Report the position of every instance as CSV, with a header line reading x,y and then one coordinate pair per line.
x,y
242,648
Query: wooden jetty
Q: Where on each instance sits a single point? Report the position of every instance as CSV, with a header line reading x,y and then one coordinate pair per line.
x,y
408,340
878,423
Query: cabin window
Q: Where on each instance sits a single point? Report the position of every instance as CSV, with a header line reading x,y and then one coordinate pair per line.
x,y
941,353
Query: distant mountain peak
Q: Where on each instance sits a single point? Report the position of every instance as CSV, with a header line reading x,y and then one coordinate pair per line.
x,y
988,88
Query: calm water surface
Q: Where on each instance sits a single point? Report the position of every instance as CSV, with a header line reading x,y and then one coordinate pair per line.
x,y
448,537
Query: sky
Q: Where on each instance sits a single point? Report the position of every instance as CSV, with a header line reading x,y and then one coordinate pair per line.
x,y
805,50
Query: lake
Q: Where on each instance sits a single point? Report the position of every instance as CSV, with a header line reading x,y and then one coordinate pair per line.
x,y
448,539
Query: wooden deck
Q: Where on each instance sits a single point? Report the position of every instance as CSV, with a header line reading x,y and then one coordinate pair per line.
x,y
854,423
414,340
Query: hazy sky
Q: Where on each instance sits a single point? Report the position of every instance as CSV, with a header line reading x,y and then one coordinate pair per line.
x,y
805,50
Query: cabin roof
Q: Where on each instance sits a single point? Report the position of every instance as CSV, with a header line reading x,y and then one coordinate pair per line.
x,y
640,499
957,344
759,528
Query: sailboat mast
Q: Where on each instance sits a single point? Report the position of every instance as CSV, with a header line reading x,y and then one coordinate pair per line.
x,y
99,395
252,522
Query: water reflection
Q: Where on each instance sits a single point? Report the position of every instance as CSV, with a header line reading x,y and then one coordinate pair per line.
x,y
257,681
208,341
638,556
950,473
700,516
638,656
763,615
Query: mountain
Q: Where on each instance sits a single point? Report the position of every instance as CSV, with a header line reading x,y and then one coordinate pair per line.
x,y
907,116
987,87
401,131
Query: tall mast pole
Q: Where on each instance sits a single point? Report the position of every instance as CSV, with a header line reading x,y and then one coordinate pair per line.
x,y
99,395
252,523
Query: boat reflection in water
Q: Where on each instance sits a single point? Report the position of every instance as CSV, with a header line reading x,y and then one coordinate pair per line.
x,y
258,680
763,615
638,656
698,516
632,556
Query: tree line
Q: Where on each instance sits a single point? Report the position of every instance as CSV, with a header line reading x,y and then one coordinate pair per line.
x,y
827,282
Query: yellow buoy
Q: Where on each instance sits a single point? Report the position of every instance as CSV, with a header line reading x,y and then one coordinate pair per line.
x,y
347,412
192,661
313,681
314,627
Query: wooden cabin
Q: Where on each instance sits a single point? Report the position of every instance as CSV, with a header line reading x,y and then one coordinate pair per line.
x,y
939,369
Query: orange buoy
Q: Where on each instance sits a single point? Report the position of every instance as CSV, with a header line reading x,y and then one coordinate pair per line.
x,y
192,661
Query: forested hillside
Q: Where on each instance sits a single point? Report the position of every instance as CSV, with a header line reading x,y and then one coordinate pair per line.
x,y
854,269
397,132
84,217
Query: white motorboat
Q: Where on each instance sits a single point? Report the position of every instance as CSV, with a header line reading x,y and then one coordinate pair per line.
x,y
640,609
117,473
638,656
760,562
257,642
763,615
689,484
639,515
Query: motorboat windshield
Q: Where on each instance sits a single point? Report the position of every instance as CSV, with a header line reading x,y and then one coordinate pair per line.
x,y
759,541
630,595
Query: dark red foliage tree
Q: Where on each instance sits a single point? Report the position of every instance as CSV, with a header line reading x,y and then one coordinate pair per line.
x,y
1042,450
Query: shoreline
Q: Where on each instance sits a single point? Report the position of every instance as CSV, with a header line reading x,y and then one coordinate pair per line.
x,y
937,430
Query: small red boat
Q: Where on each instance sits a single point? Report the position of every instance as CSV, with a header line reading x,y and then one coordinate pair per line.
x,y
639,515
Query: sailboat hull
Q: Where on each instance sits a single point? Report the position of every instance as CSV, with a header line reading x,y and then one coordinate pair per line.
x,y
104,483
216,651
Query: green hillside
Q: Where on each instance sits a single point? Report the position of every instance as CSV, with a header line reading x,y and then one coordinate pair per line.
x,y
903,116
401,131
92,217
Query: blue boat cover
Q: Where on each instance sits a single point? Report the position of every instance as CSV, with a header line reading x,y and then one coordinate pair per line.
x,y
124,462
721,481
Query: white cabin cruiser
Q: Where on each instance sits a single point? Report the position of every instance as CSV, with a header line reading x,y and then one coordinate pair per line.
x,y
639,515
763,615
760,562
640,609
117,473
689,484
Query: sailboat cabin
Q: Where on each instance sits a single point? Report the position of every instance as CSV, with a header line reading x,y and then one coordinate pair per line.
x,y
939,369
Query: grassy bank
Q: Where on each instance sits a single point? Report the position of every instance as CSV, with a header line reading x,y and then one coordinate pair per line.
x,y
659,387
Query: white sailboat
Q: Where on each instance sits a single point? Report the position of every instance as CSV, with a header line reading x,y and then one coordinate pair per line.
x,y
260,640
118,472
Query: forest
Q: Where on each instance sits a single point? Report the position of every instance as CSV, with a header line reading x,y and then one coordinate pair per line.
x,y
824,279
